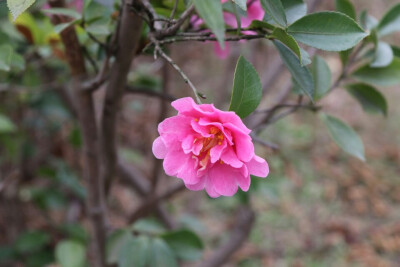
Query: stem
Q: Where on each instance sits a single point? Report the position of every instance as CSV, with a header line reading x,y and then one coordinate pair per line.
x,y
179,70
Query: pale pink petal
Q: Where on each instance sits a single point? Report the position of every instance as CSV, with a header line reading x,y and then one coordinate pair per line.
x,y
187,144
223,177
258,166
196,187
244,182
226,132
159,148
183,104
188,173
216,151
174,161
202,130
229,157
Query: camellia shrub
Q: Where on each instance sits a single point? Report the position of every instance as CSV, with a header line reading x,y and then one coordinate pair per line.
x,y
65,67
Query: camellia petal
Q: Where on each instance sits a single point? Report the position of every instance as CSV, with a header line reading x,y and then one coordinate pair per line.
x,y
208,149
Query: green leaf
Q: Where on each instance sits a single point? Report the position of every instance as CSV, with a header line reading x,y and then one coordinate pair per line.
x,y
241,3
344,136
305,57
322,77
185,244
31,241
258,24
6,55
6,125
387,76
383,55
161,254
116,242
294,10
370,99
331,31
287,40
390,21
98,29
211,12
346,7
70,254
300,74
148,226
246,95
18,6
64,11
60,27
275,9
135,252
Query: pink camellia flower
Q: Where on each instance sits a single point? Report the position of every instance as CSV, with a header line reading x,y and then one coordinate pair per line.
x,y
208,149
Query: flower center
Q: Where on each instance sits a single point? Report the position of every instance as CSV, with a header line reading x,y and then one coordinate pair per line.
x,y
208,143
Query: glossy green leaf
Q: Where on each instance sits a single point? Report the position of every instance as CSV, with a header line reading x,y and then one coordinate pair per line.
x,y
287,40
294,10
246,95
300,73
62,26
331,31
185,244
258,24
344,136
6,54
31,241
275,9
136,252
383,55
346,7
386,76
148,226
18,6
98,29
241,3
161,254
305,57
64,11
390,21
116,242
211,12
322,77
70,254
370,99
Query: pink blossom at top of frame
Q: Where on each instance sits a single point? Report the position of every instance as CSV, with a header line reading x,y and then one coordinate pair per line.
x,y
208,149
254,12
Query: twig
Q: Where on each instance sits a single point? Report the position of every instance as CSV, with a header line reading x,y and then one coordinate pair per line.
x,y
171,16
178,69
148,204
243,224
264,143
175,27
211,38
133,177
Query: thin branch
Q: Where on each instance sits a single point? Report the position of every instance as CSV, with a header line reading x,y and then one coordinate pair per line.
x,y
150,203
141,185
263,142
171,16
211,38
175,27
243,224
178,69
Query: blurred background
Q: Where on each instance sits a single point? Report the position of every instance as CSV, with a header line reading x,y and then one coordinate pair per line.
x,y
318,206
